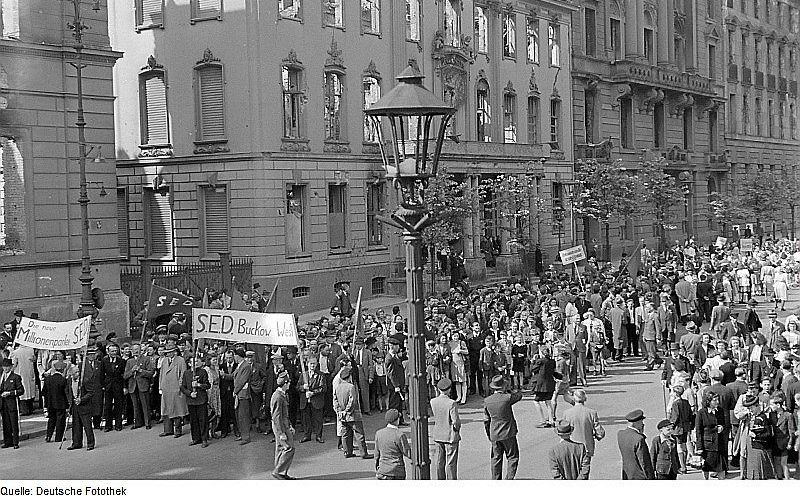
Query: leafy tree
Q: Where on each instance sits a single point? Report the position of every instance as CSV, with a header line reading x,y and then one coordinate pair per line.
x,y
761,197
726,210
606,192
659,192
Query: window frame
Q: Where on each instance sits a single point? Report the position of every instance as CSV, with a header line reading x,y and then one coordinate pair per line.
x,y
510,118
452,39
478,23
369,73
627,139
195,16
297,17
344,211
483,115
555,122
202,190
341,126
533,36
371,30
590,36
408,18
139,17
125,192
304,250
153,69
148,237
534,138
554,42
373,212
509,34
326,15
208,61
291,64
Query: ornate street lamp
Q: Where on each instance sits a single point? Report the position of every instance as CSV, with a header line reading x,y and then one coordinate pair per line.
x,y
418,122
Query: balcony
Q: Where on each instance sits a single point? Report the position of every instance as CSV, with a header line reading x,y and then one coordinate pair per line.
x,y
760,79
783,85
716,159
600,151
793,88
733,73
476,149
770,82
644,74
747,76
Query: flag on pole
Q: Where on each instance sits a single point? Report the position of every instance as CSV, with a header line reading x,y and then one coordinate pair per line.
x,y
163,301
271,301
635,261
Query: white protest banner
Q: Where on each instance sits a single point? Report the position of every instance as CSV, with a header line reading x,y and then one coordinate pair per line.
x,y
720,242
574,254
244,327
746,244
62,336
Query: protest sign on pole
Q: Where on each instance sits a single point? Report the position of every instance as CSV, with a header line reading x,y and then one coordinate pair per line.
x,y
720,241
572,255
54,336
244,327
746,244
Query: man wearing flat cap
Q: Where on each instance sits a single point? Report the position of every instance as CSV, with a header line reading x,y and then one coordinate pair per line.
x,y
348,410
568,459
636,460
391,446
446,431
241,394
664,452
501,428
258,377
282,428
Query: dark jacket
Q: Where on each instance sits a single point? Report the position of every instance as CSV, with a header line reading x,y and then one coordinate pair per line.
x,y
316,385
144,377
726,401
666,374
636,460
680,414
12,384
113,374
54,392
90,387
664,455
706,422
544,369
186,386
499,416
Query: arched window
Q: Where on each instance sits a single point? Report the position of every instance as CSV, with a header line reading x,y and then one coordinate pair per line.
x,y
615,31
371,93
13,227
483,112
649,37
153,104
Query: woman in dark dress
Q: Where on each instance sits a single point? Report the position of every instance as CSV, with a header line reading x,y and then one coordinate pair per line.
x,y
709,425
544,384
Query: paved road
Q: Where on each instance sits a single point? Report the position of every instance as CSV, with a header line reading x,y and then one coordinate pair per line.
x,y
141,454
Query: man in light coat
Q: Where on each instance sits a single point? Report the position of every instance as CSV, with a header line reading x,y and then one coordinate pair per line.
x,y
282,428
139,371
585,423
348,411
173,402
241,394
686,297
446,431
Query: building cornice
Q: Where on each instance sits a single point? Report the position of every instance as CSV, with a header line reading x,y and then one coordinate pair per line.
x,y
64,52
27,266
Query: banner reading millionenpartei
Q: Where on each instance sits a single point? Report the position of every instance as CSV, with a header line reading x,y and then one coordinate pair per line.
x,y
62,336
244,327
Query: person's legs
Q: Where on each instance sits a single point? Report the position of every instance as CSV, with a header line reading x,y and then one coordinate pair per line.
x,y
440,460
137,403
243,414
178,423
61,423
358,430
512,455
497,460
108,410
347,438
305,419
169,426
194,423
51,423
452,460
203,422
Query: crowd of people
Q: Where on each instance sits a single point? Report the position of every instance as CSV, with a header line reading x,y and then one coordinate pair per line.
x,y
730,379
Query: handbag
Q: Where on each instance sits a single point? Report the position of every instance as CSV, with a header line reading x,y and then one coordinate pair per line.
x,y
606,352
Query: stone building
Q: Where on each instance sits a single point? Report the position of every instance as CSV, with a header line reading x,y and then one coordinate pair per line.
x,y
40,236
761,52
650,76
240,128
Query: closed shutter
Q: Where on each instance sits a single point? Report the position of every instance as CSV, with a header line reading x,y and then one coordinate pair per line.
x,y
159,225
207,8
336,216
155,102
122,222
215,201
152,12
211,102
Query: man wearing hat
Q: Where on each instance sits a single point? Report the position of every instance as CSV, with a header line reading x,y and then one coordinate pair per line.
x,y
228,417
391,446
18,315
669,365
173,402
282,428
258,376
241,394
347,406
395,376
751,321
11,389
501,428
636,460
56,399
139,371
568,459
774,329
664,452
446,431
194,386
82,389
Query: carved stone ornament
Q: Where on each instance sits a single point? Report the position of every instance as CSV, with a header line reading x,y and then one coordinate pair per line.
x,y
681,102
155,151
334,59
709,105
208,57
152,64
533,87
649,98
450,65
372,71
336,147
295,145
291,60
509,89
207,149
623,92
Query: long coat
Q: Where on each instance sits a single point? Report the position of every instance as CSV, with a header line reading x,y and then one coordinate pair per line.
x,y
636,460
173,402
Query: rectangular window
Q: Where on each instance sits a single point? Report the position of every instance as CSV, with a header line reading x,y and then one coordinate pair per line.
x,y
509,35
781,119
659,140
732,50
333,13
153,102
590,29
481,30
756,53
557,199
203,10
532,35
712,62
295,221
770,119
745,114
334,94
292,103
713,142
452,23
626,123
149,13
554,42
412,20
616,39
649,46
533,120
210,100
555,123
732,110
590,116
375,197
216,222
123,225
509,118
290,9
759,118
483,113
370,16
158,224
9,17
371,90
337,208
688,129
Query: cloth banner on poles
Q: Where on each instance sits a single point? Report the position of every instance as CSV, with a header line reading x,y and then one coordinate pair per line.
x,y
244,327
52,336
163,301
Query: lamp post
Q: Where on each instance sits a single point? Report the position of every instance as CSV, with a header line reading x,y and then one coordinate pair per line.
x,y
686,187
87,304
411,157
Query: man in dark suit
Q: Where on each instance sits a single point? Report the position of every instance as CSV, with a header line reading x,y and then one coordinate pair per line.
x,y
501,427
312,391
241,393
636,460
83,389
139,371
195,385
257,377
291,364
228,417
568,459
727,403
664,452
56,400
10,391
751,321
773,330
669,366
113,387
395,377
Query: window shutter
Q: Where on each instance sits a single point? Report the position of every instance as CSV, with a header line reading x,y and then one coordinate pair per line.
x,y
215,201
122,222
207,8
157,131
152,12
212,110
159,222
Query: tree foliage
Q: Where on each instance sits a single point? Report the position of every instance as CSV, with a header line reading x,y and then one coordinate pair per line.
x,y
761,196
517,203
450,202
606,191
